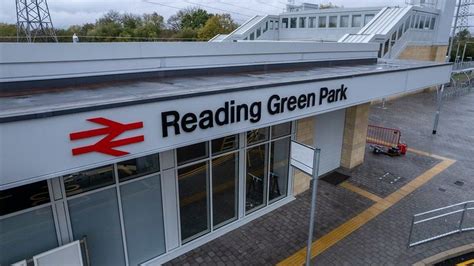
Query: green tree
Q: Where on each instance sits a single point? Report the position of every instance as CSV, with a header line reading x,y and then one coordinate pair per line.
x,y
217,24
186,34
188,18
460,41
7,32
151,27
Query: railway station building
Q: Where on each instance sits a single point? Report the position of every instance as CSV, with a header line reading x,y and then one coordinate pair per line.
x,y
149,150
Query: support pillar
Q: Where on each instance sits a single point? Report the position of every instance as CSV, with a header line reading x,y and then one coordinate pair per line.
x,y
355,134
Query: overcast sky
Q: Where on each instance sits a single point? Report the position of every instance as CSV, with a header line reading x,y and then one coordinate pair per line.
x,y
68,12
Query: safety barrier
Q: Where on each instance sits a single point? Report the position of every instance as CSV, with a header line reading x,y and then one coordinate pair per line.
x,y
383,136
438,223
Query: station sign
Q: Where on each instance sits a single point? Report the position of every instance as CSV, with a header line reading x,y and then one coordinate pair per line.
x,y
42,148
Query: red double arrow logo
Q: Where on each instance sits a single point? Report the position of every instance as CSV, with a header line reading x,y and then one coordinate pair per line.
x,y
107,144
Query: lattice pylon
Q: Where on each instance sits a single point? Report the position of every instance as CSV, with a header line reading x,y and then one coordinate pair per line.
x,y
464,14
34,21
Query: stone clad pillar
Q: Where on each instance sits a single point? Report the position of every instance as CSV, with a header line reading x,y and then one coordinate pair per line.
x,y
304,134
355,134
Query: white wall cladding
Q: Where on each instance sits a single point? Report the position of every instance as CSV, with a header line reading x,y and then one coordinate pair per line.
x,y
31,140
20,62
328,137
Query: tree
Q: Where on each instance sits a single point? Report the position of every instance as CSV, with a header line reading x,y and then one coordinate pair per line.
x,y
151,27
186,34
188,18
460,41
217,24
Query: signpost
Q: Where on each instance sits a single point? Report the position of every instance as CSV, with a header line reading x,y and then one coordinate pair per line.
x,y
306,159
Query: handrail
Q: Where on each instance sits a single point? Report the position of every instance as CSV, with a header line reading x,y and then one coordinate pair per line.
x,y
444,208
459,222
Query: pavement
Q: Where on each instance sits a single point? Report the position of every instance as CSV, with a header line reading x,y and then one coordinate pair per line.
x,y
367,219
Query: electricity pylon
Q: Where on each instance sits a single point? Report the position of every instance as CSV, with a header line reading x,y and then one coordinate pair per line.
x,y
33,21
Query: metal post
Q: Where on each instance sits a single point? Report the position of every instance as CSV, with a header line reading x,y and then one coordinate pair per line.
x,y
438,110
411,230
463,54
462,217
313,204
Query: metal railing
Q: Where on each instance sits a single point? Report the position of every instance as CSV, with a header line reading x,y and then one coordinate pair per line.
x,y
383,136
442,222
459,65
461,83
424,3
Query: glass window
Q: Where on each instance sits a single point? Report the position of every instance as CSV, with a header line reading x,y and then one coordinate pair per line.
x,y
143,219
433,22
386,46
138,167
400,31
96,217
225,175
417,21
292,22
312,22
281,130
368,18
322,22
394,38
252,36
192,153
271,24
332,21
225,144
413,21
427,22
257,135
284,23
23,197
266,27
256,177
193,200
276,25
422,22
344,21
259,32
25,235
279,163
407,24
89,180
356,21
302,22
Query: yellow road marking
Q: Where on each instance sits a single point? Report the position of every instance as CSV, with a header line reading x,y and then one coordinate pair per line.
x,y
466,263
424,153
341,232
360,191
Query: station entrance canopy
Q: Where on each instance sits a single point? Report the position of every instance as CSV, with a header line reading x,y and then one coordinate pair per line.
x,y
60,133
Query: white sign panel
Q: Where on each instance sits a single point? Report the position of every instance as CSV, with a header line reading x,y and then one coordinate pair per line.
x,y
302,157
69,254
49,147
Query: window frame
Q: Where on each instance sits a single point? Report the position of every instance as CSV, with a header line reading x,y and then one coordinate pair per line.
x,y
353,17
344,25
333,26
322,19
